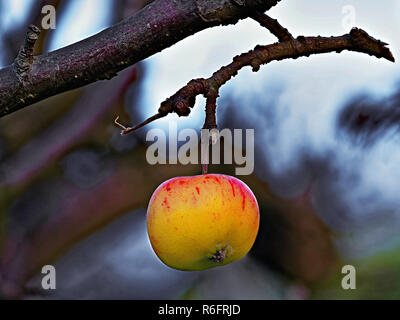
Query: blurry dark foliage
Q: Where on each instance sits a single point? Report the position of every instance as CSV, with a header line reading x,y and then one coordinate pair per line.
x,y
366,119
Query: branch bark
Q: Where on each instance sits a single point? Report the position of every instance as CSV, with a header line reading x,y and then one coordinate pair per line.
x,y
157,26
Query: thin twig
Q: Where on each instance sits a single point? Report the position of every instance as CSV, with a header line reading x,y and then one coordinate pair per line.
x,y
273,26
211,108
126,130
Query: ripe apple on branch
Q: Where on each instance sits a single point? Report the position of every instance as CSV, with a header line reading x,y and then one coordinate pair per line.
x,y
196,223
157,26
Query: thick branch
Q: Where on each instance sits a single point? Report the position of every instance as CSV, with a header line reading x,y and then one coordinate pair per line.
x,y
154,28
182,101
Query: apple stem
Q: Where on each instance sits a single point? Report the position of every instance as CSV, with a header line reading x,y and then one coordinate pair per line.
x,y
205,145
210,124
204,168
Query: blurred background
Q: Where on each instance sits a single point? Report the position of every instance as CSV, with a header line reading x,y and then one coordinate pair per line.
x,y
73,192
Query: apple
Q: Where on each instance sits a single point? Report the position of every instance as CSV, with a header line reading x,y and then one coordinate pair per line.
x,y
200,222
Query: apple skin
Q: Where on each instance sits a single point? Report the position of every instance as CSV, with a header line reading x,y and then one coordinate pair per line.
x,y
200,222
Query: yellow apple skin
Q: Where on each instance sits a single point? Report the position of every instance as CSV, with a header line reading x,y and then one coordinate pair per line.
x,y
200,222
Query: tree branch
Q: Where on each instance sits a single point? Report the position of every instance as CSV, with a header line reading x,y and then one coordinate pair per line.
x,y
157,26
183,100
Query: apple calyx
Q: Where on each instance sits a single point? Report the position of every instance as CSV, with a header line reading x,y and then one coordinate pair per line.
x,y
220,255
